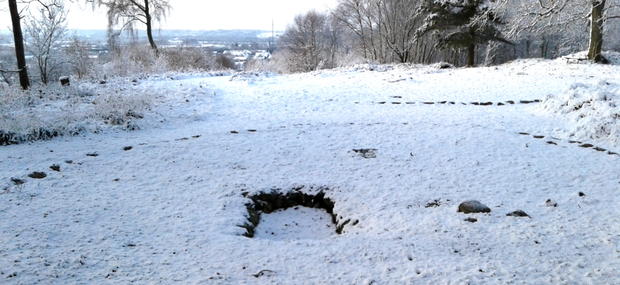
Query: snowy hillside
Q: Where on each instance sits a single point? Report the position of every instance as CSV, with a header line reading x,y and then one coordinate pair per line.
x,y
395,149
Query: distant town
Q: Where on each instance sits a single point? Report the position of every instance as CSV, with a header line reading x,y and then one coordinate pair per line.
x,y
238,45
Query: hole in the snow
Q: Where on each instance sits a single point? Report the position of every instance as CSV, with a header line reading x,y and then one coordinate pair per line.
x,y
293,215
295,223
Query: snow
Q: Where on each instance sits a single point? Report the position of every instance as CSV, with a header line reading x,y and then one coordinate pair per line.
x,y
68,110
168,210
593,110
297,223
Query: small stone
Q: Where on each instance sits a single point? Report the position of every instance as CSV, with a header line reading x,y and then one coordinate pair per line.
x,y
471,220
64,81
473,206
518,213
551,203
581,194
55,167
128,148
366,152
68,161
37,175
94,154
444,65
17,181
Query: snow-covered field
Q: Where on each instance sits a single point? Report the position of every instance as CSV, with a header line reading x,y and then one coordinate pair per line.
x,y
168,210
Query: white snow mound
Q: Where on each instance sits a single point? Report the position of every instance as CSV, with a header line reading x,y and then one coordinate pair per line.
x,y
593,110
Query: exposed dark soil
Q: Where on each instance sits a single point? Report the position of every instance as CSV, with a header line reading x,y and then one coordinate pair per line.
x,y
268,202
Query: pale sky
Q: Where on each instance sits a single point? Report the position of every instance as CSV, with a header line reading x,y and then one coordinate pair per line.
x,y
204,14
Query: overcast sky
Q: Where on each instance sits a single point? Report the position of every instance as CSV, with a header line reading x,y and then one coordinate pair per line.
x,y
204,14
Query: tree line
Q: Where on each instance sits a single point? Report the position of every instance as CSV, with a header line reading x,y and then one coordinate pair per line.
x,y
457,31
463,32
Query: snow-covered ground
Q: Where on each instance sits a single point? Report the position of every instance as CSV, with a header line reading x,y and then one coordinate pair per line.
x,y
168,210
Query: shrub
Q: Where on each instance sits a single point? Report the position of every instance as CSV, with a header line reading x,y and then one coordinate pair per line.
x,y
45,112
188,59
224,62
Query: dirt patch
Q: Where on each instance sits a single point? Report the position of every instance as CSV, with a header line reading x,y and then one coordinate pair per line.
x,y
37,175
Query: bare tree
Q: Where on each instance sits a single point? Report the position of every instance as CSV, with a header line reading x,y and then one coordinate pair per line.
x,y
79,60
566,17
46,29
310,43
129,12
18,39
386,29
357,17
399,21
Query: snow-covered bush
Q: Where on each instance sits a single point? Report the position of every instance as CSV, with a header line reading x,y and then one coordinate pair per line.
x,y
45,112
120,110
140,60
275,64
593,110
78,58
133,60
188,59
224,62
349,59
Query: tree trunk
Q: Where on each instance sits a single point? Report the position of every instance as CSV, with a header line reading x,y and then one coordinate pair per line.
x,y
596,31
471,55
149,29
491,56
19,45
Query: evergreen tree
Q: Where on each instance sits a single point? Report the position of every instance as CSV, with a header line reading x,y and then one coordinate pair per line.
x,y
462,24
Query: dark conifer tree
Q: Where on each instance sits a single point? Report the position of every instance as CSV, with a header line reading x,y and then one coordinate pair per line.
x,y
462,24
